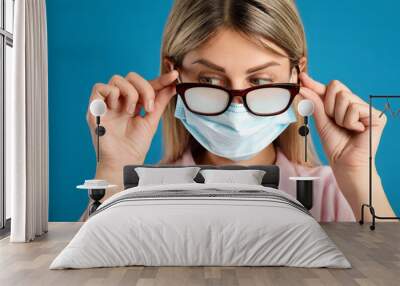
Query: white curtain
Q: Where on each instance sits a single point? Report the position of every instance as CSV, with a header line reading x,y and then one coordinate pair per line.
x,y
27,124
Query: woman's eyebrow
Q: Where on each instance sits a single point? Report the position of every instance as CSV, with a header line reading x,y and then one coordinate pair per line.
x,y
263,66
221,69
209,65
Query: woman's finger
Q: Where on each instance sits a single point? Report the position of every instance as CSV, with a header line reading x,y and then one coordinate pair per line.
x,y
108,93
356,112
342,102
144,88
332,89
321,118
377,119
312,84
164,80
129,93
163,98
100,91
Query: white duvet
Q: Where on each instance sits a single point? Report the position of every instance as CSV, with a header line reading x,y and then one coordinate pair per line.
x,y
130,228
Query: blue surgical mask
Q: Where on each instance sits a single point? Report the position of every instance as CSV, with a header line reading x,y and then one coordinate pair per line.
x,y
235,134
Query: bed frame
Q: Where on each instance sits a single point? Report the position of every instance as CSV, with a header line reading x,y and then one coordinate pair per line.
x,y
270,179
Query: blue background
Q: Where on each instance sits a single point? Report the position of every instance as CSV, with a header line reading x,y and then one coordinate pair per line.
x,y
353,41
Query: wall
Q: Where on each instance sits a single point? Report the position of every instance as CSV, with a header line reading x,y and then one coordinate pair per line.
x,y
89,41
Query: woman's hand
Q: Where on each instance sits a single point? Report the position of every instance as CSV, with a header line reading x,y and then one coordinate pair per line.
x,y
342,121
128,134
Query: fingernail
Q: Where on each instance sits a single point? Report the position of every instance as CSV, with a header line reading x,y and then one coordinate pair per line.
x,y
150,105
131,109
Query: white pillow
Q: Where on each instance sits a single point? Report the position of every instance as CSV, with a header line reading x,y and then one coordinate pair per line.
x,y
162,176
250,177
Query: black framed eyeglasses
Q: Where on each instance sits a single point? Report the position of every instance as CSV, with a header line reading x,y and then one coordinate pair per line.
x,y
263,100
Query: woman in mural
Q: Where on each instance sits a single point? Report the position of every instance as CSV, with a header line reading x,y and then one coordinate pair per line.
x,y
237,45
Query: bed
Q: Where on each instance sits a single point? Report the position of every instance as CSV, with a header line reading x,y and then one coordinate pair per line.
x,y
201,224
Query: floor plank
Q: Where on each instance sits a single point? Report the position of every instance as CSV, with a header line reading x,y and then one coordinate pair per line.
x,y
374,255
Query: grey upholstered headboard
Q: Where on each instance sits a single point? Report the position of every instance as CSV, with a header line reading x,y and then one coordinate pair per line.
x,y
270,179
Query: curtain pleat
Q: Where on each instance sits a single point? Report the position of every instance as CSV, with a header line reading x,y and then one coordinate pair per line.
x,y
15,130
45,128
29,159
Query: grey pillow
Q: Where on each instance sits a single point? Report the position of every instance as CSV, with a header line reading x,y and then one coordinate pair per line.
x,y
161,176
249,177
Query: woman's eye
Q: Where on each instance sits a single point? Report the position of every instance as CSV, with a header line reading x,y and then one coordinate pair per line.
x,y
260,81
211,80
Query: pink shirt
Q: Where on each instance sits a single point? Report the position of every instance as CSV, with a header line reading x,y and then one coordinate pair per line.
x,y
329,202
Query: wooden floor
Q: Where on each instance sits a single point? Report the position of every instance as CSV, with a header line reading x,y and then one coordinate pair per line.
x,y
375,257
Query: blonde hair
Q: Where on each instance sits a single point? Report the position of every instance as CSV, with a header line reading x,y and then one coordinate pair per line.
x,y
192,22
